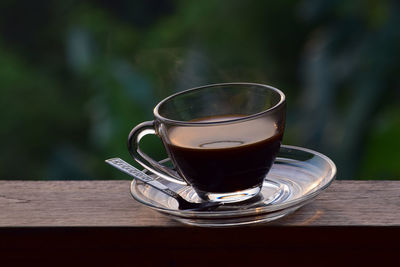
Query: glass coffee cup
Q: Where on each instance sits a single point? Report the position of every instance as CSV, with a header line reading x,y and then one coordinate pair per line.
x,y
222,139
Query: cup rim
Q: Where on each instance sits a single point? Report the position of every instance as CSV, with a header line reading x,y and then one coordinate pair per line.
x,y
193,123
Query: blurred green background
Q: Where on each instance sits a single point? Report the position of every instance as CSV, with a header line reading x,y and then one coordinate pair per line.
x,y
76,76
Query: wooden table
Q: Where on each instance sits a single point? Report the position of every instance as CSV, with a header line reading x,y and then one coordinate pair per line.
x,y
80,222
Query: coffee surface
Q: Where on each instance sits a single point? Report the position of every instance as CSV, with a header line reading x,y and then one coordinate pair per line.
x,y
224,158
222,136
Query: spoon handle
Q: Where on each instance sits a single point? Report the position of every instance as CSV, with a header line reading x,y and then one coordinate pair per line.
x,y
132,171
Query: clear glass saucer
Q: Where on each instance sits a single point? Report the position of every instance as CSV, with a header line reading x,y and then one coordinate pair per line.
x,y
297,177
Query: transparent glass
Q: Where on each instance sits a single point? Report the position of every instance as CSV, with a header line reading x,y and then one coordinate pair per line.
x,y
297,176
222,139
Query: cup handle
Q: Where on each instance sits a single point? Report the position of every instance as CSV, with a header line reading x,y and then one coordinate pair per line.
x,y
143,159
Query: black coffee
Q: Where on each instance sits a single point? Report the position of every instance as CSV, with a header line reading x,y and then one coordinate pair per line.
x,y
225,158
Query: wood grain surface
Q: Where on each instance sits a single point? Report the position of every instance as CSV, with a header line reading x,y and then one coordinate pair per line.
x,y
108,203
97,223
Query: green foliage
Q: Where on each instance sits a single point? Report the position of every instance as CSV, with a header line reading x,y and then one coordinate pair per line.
x,y
75,77
381,157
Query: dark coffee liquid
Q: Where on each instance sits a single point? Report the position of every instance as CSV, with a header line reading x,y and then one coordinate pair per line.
x,y
225,158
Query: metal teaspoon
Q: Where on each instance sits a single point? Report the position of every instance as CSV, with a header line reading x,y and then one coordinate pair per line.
x,y
137,174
